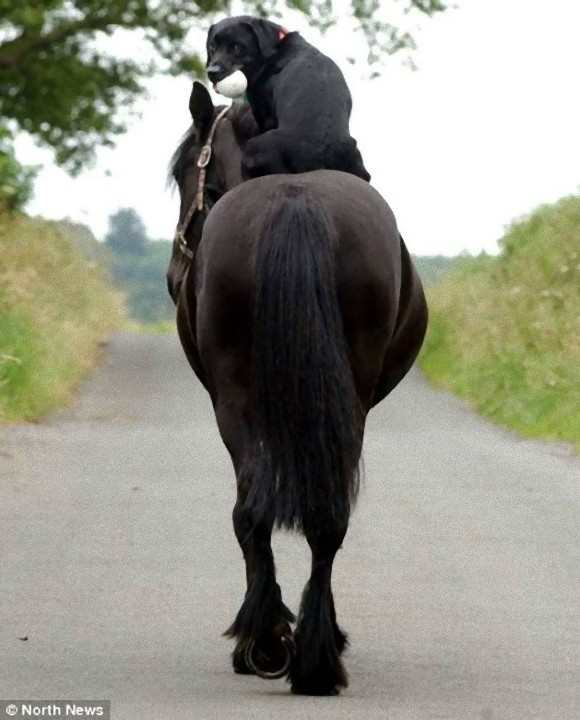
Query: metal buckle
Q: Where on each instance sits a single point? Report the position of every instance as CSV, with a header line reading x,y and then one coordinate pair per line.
x,y
182,244
204,156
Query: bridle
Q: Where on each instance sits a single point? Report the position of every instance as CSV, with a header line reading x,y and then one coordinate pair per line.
x,y
200,204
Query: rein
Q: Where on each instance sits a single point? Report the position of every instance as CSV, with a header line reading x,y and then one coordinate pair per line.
x,y
199,204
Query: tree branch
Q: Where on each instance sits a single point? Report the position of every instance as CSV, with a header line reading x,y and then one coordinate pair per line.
x,y
13,51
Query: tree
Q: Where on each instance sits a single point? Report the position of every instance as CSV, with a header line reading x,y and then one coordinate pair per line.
x,y
15,179
136,264
58,84
127,234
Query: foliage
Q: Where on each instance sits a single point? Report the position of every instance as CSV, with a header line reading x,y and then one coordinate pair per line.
x,y
59,83
49,340
432,268
127,233
15,179
137,266
81,236
504,331
142,280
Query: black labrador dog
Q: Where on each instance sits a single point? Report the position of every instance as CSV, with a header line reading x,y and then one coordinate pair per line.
x,y
298,96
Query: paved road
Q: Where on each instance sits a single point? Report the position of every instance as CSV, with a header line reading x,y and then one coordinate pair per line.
x,y
457,582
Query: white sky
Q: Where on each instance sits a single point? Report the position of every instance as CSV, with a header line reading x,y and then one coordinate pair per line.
x,y
487,129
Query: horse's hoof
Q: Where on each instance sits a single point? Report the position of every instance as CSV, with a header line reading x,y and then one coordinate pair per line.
x,y
288,644
315,692
239,662
241,668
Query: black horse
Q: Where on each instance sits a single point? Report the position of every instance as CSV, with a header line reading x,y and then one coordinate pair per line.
x,y
299,309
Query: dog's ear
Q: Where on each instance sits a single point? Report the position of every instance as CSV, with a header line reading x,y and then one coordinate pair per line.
x,y
201,107
210,33
267,34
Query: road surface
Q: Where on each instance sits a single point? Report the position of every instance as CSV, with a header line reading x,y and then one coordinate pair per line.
x,y
458,580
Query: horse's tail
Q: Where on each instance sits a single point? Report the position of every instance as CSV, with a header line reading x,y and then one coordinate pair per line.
x,y
309,425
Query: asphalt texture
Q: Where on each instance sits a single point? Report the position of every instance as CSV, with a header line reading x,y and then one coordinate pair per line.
x,y
458,581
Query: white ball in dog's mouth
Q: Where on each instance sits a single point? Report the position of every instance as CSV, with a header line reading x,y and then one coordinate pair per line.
x,y
233,85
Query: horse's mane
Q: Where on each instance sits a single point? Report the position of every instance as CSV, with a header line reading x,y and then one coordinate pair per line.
x,y
243,123
178,161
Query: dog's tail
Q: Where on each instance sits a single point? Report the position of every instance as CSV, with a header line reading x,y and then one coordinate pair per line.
x,y
310,422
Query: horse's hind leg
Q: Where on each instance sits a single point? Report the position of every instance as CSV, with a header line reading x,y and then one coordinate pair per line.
x,y
263,619
317,667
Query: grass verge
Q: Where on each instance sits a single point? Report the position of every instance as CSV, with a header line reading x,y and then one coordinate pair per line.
x,y
505,331
56,309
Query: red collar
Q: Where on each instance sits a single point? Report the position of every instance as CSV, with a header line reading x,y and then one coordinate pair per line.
x,y
282,33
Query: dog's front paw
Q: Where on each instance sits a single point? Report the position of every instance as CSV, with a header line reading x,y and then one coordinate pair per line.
x,y
249,168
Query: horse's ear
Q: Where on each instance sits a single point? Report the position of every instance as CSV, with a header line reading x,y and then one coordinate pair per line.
x,y
201,107
268,35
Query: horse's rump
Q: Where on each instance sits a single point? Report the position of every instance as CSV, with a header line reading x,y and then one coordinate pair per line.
x,y
366,257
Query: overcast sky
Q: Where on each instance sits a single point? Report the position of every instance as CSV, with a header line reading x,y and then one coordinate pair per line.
x,y
486,129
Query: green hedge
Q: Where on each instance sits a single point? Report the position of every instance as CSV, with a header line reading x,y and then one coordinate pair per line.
x,y
505,331
56,308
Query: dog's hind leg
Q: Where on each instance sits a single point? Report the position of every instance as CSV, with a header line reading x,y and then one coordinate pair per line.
x,y
264,155
344,155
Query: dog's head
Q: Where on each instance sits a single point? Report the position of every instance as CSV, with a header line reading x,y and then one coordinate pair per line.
x,y
241,43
